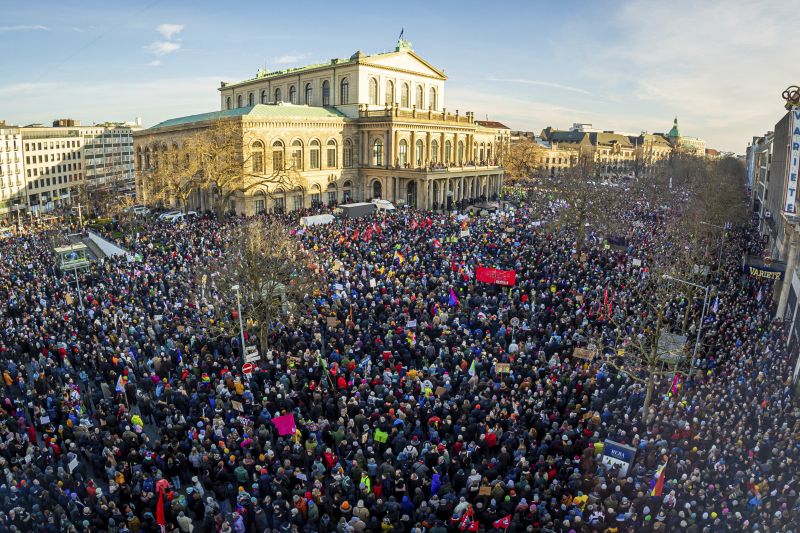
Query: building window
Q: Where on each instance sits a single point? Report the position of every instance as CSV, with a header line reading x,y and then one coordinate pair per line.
x,y
228,103
420,96
251,99
373,91
278,95
315,148
447,152
432,98
257,154
390,93
403,153
277,156
297,155
420,153
331,154
348,154
308,94
460,152
293,94
315,199
377,153
280,204
344,94
326,93
298,202
332,196
264,97
434,151
239,101
259,205
404,95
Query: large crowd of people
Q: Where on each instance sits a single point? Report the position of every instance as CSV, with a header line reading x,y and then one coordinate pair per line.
x,y
422,399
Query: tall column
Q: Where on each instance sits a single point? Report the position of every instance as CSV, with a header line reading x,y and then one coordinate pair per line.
x,y
412,150
787,278
387,142
427,156
395,145
454,153
441,147
365,161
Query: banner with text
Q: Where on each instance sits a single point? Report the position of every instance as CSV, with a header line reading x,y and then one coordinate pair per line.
x,y
496,276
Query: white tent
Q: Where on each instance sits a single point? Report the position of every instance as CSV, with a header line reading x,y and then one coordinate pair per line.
x,y
386,205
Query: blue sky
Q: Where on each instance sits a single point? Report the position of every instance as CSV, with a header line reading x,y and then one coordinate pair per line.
x,y
720,66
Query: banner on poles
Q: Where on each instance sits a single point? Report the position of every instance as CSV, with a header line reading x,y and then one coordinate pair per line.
x,y
496,276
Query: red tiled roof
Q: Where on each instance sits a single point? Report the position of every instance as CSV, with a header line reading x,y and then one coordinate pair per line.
x,y
491,124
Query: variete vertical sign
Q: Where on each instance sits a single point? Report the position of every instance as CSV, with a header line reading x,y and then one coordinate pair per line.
x,y
793,162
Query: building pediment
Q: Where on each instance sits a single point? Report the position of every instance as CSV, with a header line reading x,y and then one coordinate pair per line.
x,y
405,61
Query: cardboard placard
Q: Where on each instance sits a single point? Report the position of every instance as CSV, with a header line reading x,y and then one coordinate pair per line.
x,y
237,405
584,353
332,321
502,368
485,491
439,391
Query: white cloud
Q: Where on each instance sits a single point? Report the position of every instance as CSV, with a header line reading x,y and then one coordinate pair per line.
x,y
94,101
155,63
539,83
31,27
162,48
287,59
169,30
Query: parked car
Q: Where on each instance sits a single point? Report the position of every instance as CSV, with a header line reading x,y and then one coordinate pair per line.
x,y
140,210
168,214
181,217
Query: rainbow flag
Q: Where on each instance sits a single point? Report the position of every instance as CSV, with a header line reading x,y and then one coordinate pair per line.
x,y
657,483
399,257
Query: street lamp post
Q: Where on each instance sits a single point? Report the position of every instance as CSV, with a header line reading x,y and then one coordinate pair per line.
x,y
239,307
702,314
78,285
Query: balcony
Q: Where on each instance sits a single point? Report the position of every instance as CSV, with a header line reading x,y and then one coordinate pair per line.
x,y
396,112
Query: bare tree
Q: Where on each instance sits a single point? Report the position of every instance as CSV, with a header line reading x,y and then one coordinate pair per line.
x,y
585,202
271,270
521,160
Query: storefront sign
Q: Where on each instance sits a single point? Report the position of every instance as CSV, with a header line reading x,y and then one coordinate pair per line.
x,y
793,161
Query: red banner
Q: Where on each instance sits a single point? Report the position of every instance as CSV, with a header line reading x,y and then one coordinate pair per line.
x,y
496,276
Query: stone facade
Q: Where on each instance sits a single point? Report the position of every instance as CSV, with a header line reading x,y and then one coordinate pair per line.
x,y
351,130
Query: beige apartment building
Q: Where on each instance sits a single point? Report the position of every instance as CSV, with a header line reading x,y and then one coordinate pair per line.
x,y
61,159
12,173
371,126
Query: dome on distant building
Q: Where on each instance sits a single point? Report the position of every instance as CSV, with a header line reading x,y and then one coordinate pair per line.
x,y
674,132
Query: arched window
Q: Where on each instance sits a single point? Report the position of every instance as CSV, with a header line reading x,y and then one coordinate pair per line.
x,y
434,151
251,99
376,189
228,103
432,98
277,156
315,148
344,94
278,95
147,158
460,152
482,153
373,91
257,157
402,154
346,193
390,93
309,94
419,152
447,152
331,194
292,94
239,101
348,153
420,96
331,151
326,93
377,153
297,155
264,96
404,95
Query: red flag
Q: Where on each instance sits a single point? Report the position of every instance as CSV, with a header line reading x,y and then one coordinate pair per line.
x,y
473,526
413,224
453,266
160,520
436,243
503,523
355,235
